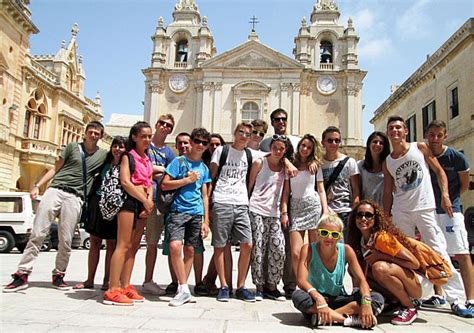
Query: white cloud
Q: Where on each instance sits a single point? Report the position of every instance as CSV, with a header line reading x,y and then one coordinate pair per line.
x,y
374,41
364,20
375,48
414,22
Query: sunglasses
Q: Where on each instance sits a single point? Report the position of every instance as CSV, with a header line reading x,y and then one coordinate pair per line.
x,y
278,119
336,141
332,234
260,134
166,124
203,142
367,215
278,137
243,133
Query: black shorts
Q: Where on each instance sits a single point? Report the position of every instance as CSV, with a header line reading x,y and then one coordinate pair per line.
x,y
132,205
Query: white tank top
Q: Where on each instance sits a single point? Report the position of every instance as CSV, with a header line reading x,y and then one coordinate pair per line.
x,y
303,184
412,181
266,195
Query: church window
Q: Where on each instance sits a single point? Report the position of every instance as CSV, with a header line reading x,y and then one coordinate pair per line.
x,y
411,125
326,52
453,102
429,114
182,51
35,115
250,111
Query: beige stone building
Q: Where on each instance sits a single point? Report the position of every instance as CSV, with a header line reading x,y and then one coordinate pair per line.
x,y
441,88
43,106
321,86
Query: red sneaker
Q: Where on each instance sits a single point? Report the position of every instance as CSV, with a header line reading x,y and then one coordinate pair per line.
x,y
405,316
132,294
116,297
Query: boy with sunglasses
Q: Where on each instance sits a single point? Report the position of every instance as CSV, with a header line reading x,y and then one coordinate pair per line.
x,y
161,156
189,213
230,210
341,183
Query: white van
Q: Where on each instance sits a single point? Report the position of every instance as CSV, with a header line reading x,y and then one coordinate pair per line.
x,y
16,220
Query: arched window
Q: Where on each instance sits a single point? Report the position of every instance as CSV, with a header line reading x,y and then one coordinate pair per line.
x,y
35,115
326,52
250,111
182,51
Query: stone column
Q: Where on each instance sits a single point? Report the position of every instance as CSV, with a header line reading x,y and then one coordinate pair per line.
x,y
295,110
198,109
206,105
216,108
152,111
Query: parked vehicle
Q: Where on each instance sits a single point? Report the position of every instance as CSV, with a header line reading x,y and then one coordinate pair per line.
x,y
52,241
16,220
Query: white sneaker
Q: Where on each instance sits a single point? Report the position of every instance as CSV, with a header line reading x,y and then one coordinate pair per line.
x,y
355,321
181,298
152,288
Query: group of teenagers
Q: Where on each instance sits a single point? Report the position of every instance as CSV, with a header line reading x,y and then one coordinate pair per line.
x,y
268,194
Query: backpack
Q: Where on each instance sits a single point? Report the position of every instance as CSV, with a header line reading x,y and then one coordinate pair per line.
x,y
164,199
112,193
223,159
433,266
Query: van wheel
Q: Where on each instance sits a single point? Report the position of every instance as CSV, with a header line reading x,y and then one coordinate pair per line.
x,y
87,243
7,242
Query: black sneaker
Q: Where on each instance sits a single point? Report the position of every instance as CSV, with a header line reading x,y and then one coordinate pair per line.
x,y
201,290
274,295
58,282
172,288
20,282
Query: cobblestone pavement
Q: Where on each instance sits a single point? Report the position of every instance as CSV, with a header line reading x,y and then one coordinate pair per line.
x,y
41,308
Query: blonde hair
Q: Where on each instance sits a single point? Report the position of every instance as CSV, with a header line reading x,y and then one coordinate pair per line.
x,y
331,218
243,124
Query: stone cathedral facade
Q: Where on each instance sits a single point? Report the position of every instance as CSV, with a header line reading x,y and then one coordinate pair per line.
x,y
319,87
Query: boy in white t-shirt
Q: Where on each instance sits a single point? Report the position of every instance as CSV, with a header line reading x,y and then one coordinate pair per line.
x,y
230,210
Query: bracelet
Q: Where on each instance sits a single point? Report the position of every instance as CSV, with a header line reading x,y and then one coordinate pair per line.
x,y
364,302
35,185
284,213
322,306
310,290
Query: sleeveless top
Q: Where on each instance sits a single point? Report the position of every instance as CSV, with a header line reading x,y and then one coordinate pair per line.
x,y
326,282
266,195
412,181
303,185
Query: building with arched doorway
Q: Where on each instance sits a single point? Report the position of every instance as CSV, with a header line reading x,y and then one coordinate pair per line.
x,y
319,87
43,106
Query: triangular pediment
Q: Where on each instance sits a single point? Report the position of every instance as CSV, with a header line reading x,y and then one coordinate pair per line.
x,y
252,54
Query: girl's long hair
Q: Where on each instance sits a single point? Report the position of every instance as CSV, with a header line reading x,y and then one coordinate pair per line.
x,y
315,155
135,130
381,223
118,140
368,160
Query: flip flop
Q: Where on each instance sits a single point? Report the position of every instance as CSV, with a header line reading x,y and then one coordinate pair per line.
x,y
82,286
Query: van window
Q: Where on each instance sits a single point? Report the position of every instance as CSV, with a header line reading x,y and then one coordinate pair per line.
x,y
11,205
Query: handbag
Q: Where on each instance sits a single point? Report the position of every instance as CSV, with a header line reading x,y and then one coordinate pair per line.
x,y
164,199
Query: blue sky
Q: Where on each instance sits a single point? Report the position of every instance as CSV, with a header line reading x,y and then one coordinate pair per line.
x,y
114,37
